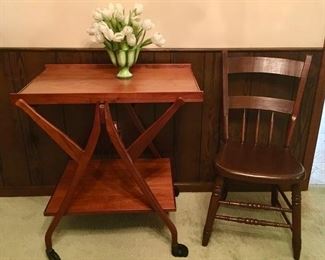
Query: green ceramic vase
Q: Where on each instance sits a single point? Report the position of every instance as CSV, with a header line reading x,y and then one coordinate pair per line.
x,y
124,60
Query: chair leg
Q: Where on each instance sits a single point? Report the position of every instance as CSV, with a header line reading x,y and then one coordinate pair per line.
x,y
296,221
274,195
213,207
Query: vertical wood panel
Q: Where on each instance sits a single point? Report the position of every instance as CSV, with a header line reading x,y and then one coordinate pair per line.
x,y
100,57
300,137
1,173
188,124
210,114
46,159
14,161
78,122
146,112
190,138
316,116
305,126
73,57
165,138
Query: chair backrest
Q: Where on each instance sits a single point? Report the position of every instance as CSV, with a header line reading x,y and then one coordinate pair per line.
x,y
269,65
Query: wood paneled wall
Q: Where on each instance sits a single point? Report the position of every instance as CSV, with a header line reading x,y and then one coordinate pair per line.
x,y
30,163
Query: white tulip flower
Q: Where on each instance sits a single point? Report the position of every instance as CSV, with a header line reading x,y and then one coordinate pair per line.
x,y
115,24
119,8
119,16
126,18
135,20
101,26
158,39
127,30
99,38
119,12
107,32
131,40
118,37
138,9
107,13
98,15
147,25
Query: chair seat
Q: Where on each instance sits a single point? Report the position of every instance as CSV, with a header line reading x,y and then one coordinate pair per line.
x,y
258,163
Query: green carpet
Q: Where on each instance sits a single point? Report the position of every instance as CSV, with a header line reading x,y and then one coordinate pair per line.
x,y
143,236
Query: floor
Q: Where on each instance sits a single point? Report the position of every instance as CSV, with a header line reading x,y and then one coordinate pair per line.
x,y
142,237
318,171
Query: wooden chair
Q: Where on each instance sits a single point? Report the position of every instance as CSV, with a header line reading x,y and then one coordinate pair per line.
x,y
256,163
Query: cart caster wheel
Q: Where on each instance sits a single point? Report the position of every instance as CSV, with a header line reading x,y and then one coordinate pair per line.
x,y
176,191
179,250
52,255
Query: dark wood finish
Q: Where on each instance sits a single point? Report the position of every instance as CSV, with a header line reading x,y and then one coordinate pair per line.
x,y
69,197
252,221
274,195
108,188
138,146
296,220
194,187
72,149
187,153
297,104
233,65
258,163
139,125
284,215
15,165
278,105
24,191
285,198
216,196
253,205
1,170
35,161
265,65
315,120
251,162
210,117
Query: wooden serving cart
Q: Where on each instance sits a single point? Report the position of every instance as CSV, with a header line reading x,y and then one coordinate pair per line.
x,y
128,184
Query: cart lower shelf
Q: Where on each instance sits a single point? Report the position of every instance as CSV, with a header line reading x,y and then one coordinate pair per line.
x,y
107,187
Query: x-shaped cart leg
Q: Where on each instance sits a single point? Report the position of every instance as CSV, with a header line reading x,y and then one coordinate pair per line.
x,y
83,157
80,156
133,152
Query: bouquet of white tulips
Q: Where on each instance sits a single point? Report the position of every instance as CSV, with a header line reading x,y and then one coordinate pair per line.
x,y
123,34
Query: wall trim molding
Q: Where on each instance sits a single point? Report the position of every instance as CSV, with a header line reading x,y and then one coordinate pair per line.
x,y
165,49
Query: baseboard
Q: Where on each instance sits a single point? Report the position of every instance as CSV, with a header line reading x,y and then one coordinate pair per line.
x,y
194,186
25,191
48,190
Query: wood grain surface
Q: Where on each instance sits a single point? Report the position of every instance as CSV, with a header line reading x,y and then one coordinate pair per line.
x,y
91,83
108,187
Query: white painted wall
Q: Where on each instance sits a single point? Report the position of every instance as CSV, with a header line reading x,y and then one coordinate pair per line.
x,y
184,23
